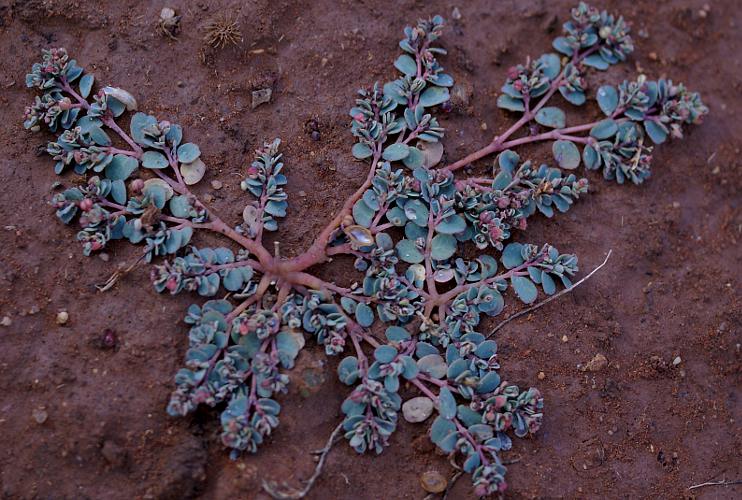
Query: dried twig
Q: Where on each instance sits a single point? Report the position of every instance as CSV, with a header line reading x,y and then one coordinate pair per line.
x,y
723,482
553,297
289,493
113,279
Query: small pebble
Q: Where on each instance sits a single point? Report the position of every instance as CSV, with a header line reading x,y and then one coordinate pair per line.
x,y
104,257
6,321
433,482
483,125
598,363
302,194
40,416
315,135
34,310
261,96
216,185
541,375
208,198
63,317
653,56
676,361
675,204
565,338
417,409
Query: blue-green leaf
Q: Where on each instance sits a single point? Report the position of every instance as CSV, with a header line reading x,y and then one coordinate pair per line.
x,y
86,85
443,246
385,354
188,152
524,289
453,224
590,157
154,159
447,404
596,61
121,167
656,131
408,252
607,97
433,96
551,117
348,370
361,150
397,334
566,154
396,151
604,129
406,65
512,255
118,192
510,103
364,315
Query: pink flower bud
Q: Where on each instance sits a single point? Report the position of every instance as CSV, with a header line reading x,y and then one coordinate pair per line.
x,y
86,204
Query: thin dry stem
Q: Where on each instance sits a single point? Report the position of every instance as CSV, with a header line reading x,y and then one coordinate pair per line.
x,y
289,493
553,297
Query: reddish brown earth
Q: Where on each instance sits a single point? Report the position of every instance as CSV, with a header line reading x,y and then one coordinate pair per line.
x,y
641,427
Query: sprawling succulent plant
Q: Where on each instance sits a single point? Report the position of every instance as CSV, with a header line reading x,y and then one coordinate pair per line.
x,y
406,226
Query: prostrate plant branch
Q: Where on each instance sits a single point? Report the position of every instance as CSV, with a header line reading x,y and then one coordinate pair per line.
x,y
407,227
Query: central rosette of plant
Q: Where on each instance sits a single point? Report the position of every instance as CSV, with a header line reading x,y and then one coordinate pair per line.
x,y
431,248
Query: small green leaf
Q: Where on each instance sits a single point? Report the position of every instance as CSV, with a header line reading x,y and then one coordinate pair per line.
x,y
414,159
551,117
118,192
433,96
562,45
406,65
656,131
385,354
396,151
417,212
590,157
604,129
576,97
180,206
441,429
551,65
607,97
364,315
510,103
443,246
512,255
154,159
361,150
524,289
596,61
566,154
447,404
397,334
348,370
121,167
363,214
453,224
86,85
408,252
508,160
188,152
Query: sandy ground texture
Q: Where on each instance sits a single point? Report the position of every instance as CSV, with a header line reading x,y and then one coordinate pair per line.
x,y
665,412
